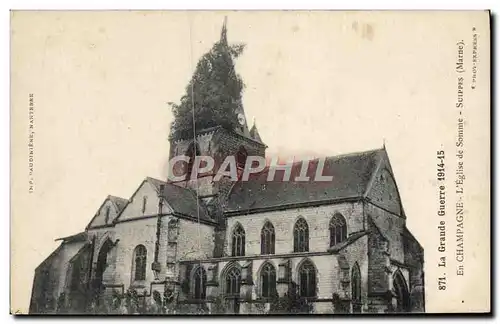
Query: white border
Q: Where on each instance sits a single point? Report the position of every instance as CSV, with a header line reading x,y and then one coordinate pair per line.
x,y
6,5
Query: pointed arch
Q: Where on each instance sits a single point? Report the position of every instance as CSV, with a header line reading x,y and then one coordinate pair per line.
x,y
139,263
238,241
267,238
301,236
199,283
356,288
307,278
102,262
231,281
267,279
401,291
338,229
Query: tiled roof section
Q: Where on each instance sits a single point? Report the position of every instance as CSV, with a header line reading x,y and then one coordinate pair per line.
x,y
80,237
351,239
119,202
351,174
182,200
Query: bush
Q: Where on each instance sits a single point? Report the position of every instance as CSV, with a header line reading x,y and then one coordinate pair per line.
x,y
290,303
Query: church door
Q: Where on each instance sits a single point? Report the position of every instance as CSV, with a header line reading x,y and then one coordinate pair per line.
x,y
402,295
102,264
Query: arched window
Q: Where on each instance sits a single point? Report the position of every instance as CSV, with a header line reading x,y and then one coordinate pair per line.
x,y
192,152
307,279
338,229
268,280
232,288
267,239
301,236
238,247
200,283
140,254
356,289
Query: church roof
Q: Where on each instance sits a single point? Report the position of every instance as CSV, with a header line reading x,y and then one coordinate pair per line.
x,y
351,174
182,200
119,202
80,237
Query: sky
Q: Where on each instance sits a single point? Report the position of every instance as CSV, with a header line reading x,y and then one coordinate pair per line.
x,y
317,84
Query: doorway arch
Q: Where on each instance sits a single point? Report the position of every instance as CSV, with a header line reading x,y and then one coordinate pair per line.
x,y
101,265
401,292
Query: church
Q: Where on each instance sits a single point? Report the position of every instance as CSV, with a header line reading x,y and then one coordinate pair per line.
x,y
242,247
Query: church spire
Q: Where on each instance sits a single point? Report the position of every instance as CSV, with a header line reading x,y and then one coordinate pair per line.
x,y
254,133
223,33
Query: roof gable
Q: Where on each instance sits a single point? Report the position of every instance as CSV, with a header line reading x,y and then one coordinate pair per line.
x,y
109,210
382,189
143,203
181,201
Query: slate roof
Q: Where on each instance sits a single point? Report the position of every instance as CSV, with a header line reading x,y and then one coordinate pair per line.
x,y
351,175
182,200
119,202
254,133
351,239
80,237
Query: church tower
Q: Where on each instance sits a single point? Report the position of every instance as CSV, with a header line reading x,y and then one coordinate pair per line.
x,y
210,121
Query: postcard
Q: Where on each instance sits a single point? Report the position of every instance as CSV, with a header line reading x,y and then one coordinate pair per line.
x,y
250,162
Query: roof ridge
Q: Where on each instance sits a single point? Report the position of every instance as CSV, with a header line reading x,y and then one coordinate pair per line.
x,y
116,197
170,184
337,156
356,153
154,179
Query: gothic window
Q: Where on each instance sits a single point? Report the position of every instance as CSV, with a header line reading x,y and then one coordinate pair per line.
x,y
307,279
267,239
140,262
356,289
144,203
192,152
238,247
301,236
232,288
200,283
338,229
268,280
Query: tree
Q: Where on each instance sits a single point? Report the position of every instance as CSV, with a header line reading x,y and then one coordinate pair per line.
x,y
214,93
290,303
